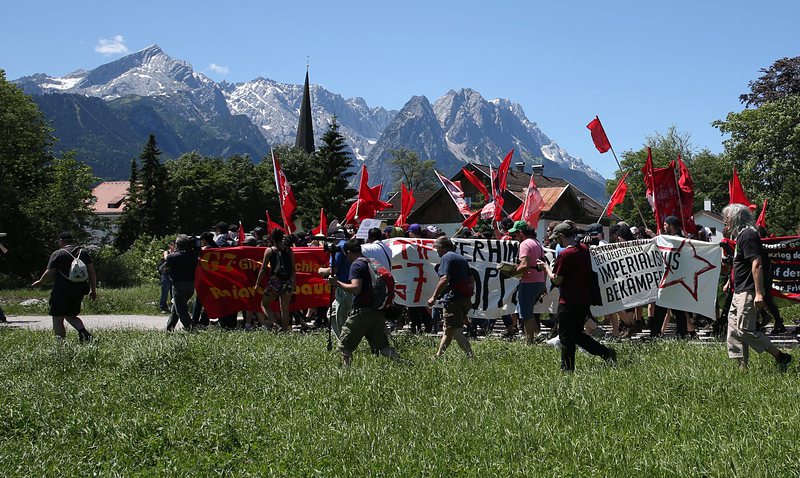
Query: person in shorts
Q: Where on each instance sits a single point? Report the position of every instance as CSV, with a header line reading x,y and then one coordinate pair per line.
x,y
281,278
532,282
67,296
454,291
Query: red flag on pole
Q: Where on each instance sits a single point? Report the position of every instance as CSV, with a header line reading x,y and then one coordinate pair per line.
x,y
647,172
599,135
762,217
686,191
471,177
322,229
241,234
736,192
532,205
407,201
285,195
472,220
273,225
618,196
453,188
665,194
502,174
369,200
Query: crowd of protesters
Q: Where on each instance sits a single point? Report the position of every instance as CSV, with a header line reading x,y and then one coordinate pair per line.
x,y
351,272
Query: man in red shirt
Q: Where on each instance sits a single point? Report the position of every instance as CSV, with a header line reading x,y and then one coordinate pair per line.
x,y
572,272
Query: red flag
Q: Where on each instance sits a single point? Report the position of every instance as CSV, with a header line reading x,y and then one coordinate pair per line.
x,y
472,220
517,214
368,202
285,194
273,225
407,201
686,191
502,174
599,135
532,205
241,234
736,192
665,193
453,188
647,172
322,229
618,196
476,182
762,218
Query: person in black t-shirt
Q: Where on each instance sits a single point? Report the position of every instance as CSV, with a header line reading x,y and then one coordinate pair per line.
x,y
748,280
66,297
281,280
181,266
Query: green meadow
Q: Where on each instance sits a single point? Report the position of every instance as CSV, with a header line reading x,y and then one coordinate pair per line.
x,y
259,404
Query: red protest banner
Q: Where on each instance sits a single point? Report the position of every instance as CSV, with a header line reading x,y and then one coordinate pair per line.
x,y
225,280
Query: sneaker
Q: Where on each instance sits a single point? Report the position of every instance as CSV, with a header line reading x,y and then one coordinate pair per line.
x,y
612,357
783,361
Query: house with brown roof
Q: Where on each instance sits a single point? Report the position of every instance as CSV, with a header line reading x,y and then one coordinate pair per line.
x,y
562,200
110,197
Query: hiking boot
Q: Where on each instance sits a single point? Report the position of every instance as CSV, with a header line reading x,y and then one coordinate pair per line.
x,y
778,329
783,361
612,357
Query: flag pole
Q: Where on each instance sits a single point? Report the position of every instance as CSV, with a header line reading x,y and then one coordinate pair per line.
x,y
641,216
680,203
278,188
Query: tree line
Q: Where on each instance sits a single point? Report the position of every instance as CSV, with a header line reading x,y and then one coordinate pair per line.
x,y
41,194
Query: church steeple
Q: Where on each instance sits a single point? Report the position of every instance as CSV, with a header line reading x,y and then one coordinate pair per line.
x,y
305,130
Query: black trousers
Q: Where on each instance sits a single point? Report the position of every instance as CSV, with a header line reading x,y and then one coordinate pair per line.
x,y
570,333
658,319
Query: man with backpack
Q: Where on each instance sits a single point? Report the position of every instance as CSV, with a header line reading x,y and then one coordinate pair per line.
x,y
72,271
454,291
372,288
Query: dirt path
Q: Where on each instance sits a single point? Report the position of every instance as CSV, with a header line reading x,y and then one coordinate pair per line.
x,y
92,322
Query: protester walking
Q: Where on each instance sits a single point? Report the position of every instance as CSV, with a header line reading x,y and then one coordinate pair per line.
x,y
748,279
364,320
532,282
166,284
181,266
572,273
454,292
71,270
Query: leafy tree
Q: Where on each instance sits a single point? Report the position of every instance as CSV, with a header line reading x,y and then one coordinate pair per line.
x,y
408,168
707,171
64,202
336,165
764,145
780,80
208,190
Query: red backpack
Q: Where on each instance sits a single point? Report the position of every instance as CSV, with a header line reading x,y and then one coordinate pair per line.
x,y
382,295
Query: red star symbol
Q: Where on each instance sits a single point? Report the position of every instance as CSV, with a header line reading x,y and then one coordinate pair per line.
x,y
693,269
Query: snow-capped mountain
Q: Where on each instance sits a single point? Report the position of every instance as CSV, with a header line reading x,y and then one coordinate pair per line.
x,y
151,91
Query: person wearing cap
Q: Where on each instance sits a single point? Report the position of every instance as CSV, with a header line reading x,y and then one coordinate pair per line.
x,y
572,274
748,272
67,296
532,282
181,266
340,267
594,235
415,231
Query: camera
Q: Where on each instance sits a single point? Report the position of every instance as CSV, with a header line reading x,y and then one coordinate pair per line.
x,y
331,247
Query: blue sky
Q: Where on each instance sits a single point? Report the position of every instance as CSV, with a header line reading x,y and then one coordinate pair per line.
x,y
640,66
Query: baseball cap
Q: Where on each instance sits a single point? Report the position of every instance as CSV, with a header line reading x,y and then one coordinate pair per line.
x,y
564,228
415,228
594,229
65,236
519,226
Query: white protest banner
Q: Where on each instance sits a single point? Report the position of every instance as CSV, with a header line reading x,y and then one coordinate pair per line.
x,y
628,274
415,261
674,272
692,274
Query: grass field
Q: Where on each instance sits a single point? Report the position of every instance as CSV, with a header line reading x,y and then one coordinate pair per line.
x,y
259,404
131,300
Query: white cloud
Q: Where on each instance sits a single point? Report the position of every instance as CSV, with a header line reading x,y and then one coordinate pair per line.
x,y
222,70
115,46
